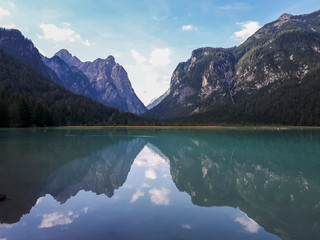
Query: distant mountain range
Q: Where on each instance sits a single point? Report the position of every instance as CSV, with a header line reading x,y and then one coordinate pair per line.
x,y
154,102
273,77
103,80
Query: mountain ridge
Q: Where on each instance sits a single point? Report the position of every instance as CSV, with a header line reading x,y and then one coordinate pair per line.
x,y
220,82
28,99
109,80
114,90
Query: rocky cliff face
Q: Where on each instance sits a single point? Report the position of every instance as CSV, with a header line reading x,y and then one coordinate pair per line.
x,y
70,77
109,80
284,52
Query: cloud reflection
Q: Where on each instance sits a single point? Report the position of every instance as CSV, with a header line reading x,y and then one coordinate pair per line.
x,y
136,196
40,199
249,224
186,226
6,225
150,173
160,196
85,210
55,219
150,159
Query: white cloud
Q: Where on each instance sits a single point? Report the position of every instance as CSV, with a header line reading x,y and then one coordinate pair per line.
x,y
136,196
186,27
160,196
159,18
249,224
61,34
150,71
160,57
11,4
55,219
248,28
140,60
66,24
57,34
86,42
4,13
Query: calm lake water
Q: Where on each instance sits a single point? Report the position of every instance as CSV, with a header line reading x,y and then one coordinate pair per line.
x,y
160,184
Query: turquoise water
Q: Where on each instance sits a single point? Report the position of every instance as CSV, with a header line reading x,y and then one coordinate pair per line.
x,y
160,184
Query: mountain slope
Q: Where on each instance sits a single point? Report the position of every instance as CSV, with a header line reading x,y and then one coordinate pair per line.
x,y
224,84
70,78
29,99
156,101
15,44
109,80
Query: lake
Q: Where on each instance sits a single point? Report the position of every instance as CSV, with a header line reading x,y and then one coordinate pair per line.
x,y
159,184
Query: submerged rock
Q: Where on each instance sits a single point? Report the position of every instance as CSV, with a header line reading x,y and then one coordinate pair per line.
x,y
2,197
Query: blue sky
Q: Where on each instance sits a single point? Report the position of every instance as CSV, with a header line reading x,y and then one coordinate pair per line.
x,y
148,37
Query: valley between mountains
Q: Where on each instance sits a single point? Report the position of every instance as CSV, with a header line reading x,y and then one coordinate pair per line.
x,y
271,78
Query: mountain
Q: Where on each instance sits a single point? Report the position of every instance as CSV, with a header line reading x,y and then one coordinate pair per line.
x,y
70,78
29,99
15,44
109,80
273,77
154,102
103,80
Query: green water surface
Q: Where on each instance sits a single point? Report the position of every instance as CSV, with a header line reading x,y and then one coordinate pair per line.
x,y
159,184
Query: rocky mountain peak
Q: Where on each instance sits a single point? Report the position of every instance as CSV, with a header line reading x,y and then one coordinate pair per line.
x,y
110,60
66,56
285,17
108,80
64,53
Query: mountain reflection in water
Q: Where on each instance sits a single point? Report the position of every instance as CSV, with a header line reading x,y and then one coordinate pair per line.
x,y
271,176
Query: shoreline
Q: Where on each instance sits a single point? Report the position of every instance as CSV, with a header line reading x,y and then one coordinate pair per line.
x,y
266,127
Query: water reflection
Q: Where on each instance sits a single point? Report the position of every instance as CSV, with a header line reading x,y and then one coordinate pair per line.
x,y
269,179
273,177
100,172
61,163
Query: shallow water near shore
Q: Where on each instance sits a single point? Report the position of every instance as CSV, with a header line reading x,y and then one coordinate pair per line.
x,y
118,183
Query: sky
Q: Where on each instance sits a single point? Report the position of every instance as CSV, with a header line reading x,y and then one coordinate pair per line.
x,y
147,37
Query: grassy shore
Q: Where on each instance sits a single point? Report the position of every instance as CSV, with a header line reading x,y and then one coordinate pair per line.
x,y
195,127
218,127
